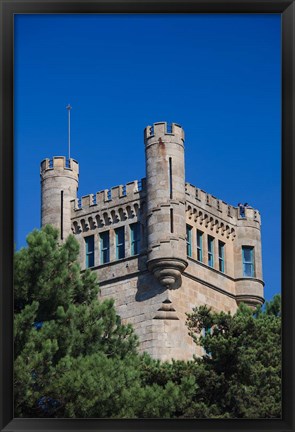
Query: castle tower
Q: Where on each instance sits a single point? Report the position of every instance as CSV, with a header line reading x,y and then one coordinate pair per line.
x,y
59,185
146,239
165,182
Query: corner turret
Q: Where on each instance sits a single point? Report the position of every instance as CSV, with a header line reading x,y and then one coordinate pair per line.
x,y
248,258
165,181
59,185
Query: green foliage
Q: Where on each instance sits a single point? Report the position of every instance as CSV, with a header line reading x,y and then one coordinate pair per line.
x,y
239,375
58,319
242,364
74,358
98,386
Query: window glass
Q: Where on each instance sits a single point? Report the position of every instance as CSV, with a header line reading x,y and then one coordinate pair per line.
x,y
247,254
199,246
135,238
248,261
221,247
120,243
189,240
210,251
104,247
89,251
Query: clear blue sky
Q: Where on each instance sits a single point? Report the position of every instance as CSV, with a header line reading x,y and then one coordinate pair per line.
x,y
217,75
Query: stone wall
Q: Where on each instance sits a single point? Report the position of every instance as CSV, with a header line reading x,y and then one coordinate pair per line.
x,y
158,315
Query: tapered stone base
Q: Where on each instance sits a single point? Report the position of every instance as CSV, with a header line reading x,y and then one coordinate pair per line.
x,y
251,301
167,271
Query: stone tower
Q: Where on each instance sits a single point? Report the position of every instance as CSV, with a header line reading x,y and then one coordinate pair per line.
x,y
59,185
165,183
159,246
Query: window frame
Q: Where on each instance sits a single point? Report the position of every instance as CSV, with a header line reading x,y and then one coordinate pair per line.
x,y
134,242
251,262
89,254
221,257
120,246
200,245
102,236
189,230
210,241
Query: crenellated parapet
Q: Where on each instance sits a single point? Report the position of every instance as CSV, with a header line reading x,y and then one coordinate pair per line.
x,y
106,198
59,163
108,207
209,206
160,129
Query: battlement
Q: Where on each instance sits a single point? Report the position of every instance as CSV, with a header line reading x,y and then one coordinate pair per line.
x,y
219,207
59,163
110,197
163,128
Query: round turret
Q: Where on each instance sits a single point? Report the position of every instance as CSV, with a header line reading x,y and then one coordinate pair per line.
x,y
165,182
248,259
59,185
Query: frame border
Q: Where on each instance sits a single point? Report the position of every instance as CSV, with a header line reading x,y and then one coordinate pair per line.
x,y
7,10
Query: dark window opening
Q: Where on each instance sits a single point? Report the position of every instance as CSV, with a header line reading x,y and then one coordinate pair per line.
x,y
104,247
135,238
171,221
89,252
62,215
120,243
170,177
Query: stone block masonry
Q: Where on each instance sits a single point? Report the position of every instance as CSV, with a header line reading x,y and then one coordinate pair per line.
x,y
159,246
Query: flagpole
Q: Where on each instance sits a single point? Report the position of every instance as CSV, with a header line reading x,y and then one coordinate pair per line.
x,y
68,107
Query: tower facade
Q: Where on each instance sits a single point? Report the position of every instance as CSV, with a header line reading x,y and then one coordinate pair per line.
x,y
59,186
159,246
165,189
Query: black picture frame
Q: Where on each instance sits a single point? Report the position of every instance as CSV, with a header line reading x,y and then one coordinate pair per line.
x,y
7,10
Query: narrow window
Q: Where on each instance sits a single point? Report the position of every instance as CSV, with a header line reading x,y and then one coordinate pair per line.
x,y
248,261
120,243
104,247
62,215
171,221
170,177
210,251
135,238
199,246
221,247
89,251
189,240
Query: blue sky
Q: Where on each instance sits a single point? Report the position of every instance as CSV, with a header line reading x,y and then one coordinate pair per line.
x,y
216,75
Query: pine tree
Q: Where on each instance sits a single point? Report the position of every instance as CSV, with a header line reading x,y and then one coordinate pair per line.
x,y
58,320
73,357
240,374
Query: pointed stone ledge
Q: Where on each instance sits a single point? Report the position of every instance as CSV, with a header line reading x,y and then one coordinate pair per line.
x,y
166,315
166,311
